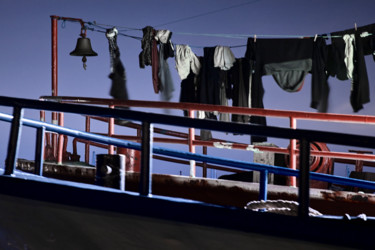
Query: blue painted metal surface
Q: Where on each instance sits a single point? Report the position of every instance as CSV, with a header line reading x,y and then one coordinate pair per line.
x,y
263,185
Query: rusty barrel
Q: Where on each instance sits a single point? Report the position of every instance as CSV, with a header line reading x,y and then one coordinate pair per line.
x,y
132,159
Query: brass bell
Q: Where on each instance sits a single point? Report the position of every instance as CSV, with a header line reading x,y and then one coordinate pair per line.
x,y
83,48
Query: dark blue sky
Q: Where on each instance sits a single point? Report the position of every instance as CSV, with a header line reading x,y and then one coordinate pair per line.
x,y
25,44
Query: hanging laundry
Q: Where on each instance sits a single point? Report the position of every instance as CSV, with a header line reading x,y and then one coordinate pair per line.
x,y
349,54
189,90
223,58
149,55
224,95
145,58
166,82
319,78
118,76
363,45
210,78
288,61
186,60
213,85
240,80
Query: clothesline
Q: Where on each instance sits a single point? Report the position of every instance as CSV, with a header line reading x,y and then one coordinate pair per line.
x,y
96,27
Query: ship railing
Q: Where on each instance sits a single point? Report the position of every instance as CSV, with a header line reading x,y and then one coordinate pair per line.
x,y
148,120
193,140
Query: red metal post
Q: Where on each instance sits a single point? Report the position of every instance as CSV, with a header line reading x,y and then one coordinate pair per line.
x,y
292,154
61,140
42,116
54,55
359,163
54,76
191,145
111,131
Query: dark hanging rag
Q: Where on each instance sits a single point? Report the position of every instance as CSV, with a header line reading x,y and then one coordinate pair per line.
x,y
118,76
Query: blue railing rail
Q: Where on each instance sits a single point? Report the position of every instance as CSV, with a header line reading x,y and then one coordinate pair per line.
x,y
148,119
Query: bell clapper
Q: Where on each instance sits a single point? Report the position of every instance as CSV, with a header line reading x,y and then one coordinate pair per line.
x,y
84,60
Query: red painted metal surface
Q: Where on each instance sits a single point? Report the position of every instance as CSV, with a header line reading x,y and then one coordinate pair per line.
x,y
111,131
54,54
132,159
299,115
61,140
54,72
191,146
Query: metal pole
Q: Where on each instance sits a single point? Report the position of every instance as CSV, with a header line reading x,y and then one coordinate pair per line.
x,y
87,144
15,134
39,151
191,146
304,179
204,163
111,130
263,185
54,76
61,140
54,54
292,154
145,183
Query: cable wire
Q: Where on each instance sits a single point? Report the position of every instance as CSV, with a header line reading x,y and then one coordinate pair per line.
x,y
208,13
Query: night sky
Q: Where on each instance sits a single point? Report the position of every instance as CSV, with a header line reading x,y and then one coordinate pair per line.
x,y
25,48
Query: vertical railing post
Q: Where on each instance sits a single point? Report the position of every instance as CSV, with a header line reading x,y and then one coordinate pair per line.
x,y
191,146
145,182
39,151
60,145
87,144
304,178
263,185
292,153
111,131
204,163
13,144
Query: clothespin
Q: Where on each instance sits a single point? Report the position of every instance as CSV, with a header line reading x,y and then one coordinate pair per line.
x,y
255,38
316,36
